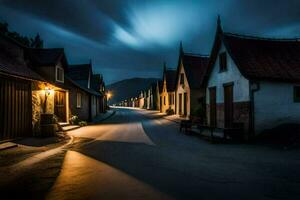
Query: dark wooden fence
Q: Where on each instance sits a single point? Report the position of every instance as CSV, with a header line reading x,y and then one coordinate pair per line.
x,y
15,108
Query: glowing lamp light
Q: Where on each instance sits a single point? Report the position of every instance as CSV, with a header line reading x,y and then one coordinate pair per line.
x,y
109,95
47,91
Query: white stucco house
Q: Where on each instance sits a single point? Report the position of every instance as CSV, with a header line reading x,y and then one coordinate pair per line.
x,y
190,85
253,82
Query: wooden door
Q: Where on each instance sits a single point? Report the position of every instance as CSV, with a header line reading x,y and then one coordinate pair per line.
x,y
213,107
160,104
180,104
185,104
60,105
228,105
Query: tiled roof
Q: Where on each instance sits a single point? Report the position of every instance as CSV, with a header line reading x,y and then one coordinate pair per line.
x,y
45,57
171,80
80,73
195,67
96,82
12,60
90,91
265,59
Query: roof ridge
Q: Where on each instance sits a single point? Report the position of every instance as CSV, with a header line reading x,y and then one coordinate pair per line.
x,y
262,38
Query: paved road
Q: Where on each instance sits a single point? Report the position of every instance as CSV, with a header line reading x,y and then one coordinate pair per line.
x,y
140,155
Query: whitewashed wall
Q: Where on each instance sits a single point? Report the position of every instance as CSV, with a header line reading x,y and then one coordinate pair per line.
x,y
241,84
274,105
181,90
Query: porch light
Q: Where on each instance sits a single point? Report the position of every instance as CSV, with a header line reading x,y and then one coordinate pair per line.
x,y
47,91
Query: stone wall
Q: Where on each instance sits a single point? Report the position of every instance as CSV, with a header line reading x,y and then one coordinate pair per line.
x,y
39,105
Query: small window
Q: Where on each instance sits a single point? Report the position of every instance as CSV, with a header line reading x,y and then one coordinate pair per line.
x,y
78,100
164,100
59,74
297,94
223,62
182,79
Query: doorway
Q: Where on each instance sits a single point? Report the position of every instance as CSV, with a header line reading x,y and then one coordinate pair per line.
x,y
213,106
180,104
60,105
228,105
185,104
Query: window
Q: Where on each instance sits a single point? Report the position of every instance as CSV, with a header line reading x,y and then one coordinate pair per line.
x,y
182,79
164,100
59,74
170,99
297,94
78,100
223,62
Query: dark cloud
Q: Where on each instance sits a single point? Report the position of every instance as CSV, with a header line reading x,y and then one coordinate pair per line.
x,y
128,38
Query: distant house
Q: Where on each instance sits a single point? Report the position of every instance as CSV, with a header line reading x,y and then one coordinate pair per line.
x,y
17,82
158,95
98,85
141,99
151,97
86,101
145,94
190,85
168,90
253,83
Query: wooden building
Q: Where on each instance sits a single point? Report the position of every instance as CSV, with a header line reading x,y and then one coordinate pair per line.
x,y
253,83
86,102
190,84
16,83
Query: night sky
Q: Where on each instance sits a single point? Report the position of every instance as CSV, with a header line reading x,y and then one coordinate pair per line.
x,y
127,38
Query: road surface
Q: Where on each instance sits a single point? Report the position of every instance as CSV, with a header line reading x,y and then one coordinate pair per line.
x,y
139,154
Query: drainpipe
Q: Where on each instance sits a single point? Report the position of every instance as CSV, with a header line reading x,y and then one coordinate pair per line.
x,y
253,87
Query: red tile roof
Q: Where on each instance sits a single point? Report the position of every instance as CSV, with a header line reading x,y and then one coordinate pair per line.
x,y
265,59
195,67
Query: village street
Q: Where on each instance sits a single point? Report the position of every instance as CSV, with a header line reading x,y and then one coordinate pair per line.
x,y
138,154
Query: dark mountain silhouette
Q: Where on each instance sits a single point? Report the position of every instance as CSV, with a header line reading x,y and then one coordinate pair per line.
x,y
128,88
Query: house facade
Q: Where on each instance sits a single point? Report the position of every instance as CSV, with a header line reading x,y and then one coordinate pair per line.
x,y
34,85
151,97
86,101
190,85
168,91
158,95
141,99
253,82
17,81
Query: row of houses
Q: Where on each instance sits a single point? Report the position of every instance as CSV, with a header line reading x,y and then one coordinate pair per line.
x,y
246,82
36,82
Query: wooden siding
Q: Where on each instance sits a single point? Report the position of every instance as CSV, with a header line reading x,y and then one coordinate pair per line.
x,y
15,108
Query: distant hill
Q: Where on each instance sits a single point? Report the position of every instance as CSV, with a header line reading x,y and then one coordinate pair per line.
x,y
128,88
